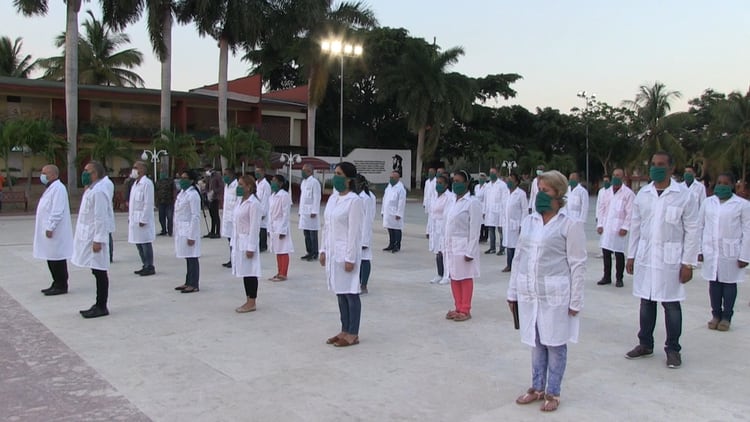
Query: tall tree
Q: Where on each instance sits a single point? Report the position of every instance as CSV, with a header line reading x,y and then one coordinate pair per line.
x,y
236,145
12,62
734,118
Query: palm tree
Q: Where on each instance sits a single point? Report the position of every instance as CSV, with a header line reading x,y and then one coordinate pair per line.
x,y
238,144
102,146
12,62
40,7
734,119
179,147
11,132
99,62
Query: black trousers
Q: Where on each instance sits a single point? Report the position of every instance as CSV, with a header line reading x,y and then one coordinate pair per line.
x,y
263,243
311,242
251,287
439,264
59,272
394,238
193,272
102,287
166,212
619,264
213,211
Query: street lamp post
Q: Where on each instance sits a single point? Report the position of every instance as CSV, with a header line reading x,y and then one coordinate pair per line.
x,y
590,101
290,159
510,165
340,48
154,157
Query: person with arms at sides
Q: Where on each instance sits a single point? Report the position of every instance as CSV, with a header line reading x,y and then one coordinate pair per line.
x,y
577,199
141,227
428,196
495,196
109,188
696,189
309,208
601,201
515,212
662,252
440,207
90,244
546,288
245,240
479,192
165,202
187,223
725,248
214,190
369,207
227,213
53,231
534,188
279,210
461,245
393,209
263,192
341,251
612,225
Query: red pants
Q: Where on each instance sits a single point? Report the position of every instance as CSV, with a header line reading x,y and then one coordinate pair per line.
x,y
462,293
282,262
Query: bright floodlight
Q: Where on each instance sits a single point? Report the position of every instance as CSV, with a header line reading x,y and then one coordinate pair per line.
x,y
336,47
325,46
144,156
357,50
348,49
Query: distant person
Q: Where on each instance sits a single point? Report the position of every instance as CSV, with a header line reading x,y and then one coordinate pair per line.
x,y
263,191
228,205
393,211
187,222
495,199
369,207
246,262
601,198
480,191
534,188
165,202
428,194
309,209
577,200
696,189
141,227
280,232
53,231
613,223
515,212
439,209
214,192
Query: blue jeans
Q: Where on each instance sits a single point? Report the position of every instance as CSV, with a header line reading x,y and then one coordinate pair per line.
x,y
311,242
364,272
722,294
548,367
350,308
146,252
493,239
673,322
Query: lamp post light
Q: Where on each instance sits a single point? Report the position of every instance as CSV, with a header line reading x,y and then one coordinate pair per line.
x,y
590,101
290,159
154,157
340,48
510,165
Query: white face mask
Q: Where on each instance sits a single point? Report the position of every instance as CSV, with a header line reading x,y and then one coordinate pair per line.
x,y
43,179
539,172
134,174
208,173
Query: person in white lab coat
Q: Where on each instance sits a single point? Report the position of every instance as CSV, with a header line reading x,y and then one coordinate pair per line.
x,y
263,191
141,224
546,287
309,208
696,189
246,240
612,225
53,231
187,225
280,233
439,211
534,189
515,211
725,247
461,245
91,241
109,188
577,200
369,207
601,199
662,252
341,251
495,199
227,213
428,196
480,193
393,209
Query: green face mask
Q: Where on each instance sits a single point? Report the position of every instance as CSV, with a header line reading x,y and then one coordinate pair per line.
x,y
275,186
185,183
482,182
459,188
510,184
493,176
162,176
240,191
607,185
431,175
85,178
689,178
440,188
572,183
339,183
616,181
543,202
657,174
393,181
304,174
227,180
258,176
723,191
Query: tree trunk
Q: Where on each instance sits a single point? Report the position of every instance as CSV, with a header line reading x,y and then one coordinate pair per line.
x,y
71,90
312,111
166,76
223,65
420,151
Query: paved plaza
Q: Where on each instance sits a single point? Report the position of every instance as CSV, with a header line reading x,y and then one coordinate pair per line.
x,y
166,356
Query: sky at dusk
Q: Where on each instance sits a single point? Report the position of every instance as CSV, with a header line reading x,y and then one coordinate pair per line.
x,y
559,47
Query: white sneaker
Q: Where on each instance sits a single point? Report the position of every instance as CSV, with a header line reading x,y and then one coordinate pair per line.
x,y
445,280
435,279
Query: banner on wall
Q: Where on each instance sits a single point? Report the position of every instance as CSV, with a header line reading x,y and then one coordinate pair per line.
x,y
377,164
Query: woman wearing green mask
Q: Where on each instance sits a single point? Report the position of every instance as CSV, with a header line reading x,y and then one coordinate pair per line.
x,y
279,209
546,287
516,209
725,247
246,240
439,207
187,224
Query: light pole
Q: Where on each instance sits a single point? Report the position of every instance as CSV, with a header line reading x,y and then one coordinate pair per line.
x,y
590,100
154,157
509,165
340,48
290,159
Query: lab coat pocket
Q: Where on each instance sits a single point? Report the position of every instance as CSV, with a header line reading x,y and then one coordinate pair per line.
x,y
672,253
641,252
672,215
730,248
137,216
557,290
139,196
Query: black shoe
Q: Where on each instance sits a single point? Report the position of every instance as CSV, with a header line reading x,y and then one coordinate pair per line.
x,y
501,252
215,236
394,250
139,271
47,289
170,234
638,352
95,312
489,251
208,236
190,289
604,282
674,360
619,283
148,271
227,264
162,234
314,257
263,249
55,291
388,249
307,257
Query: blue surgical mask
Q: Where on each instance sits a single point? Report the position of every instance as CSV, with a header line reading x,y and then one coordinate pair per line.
x,y
43,179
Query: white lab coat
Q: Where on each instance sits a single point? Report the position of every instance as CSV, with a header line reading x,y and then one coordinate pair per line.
x,y
578,203
187,223
342,241
697,191
725,238
429,195
495,199
368,208
479,193
664,234
246,238
93,226
279,209
601,201
533,190
515,211
53,214
141,211
263,191
309,204
109,189
548,277
227,214
394,204
438,212
463,222
616,214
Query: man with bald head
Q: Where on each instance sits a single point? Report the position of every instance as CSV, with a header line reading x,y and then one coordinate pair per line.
x,y
141,225
613,225
53,232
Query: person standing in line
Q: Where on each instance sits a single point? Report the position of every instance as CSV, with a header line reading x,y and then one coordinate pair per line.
x,y
393,208
662,252
309,208
245,240
369,207
725,246
480,192
341,251
546,288
696,189
534,188
227,214
90,244
578,199
461,245
141,227
165,203
214,190
428,197
187,223
601,202
263,191
440,207
613,224
515,211
109,188
279,210
493,202
53,231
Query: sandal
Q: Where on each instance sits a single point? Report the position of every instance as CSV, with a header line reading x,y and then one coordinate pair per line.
x,y
343,342
550,404
333,339
243,309
190,289
530,396
460,316
278,278
451,314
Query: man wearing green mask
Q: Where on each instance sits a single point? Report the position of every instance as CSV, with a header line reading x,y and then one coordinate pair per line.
x,y
165,203
535,188
393,208
227,213
309,208
696,189
578,199
601,197
613,225
429,195
495,198
662,252
263,192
